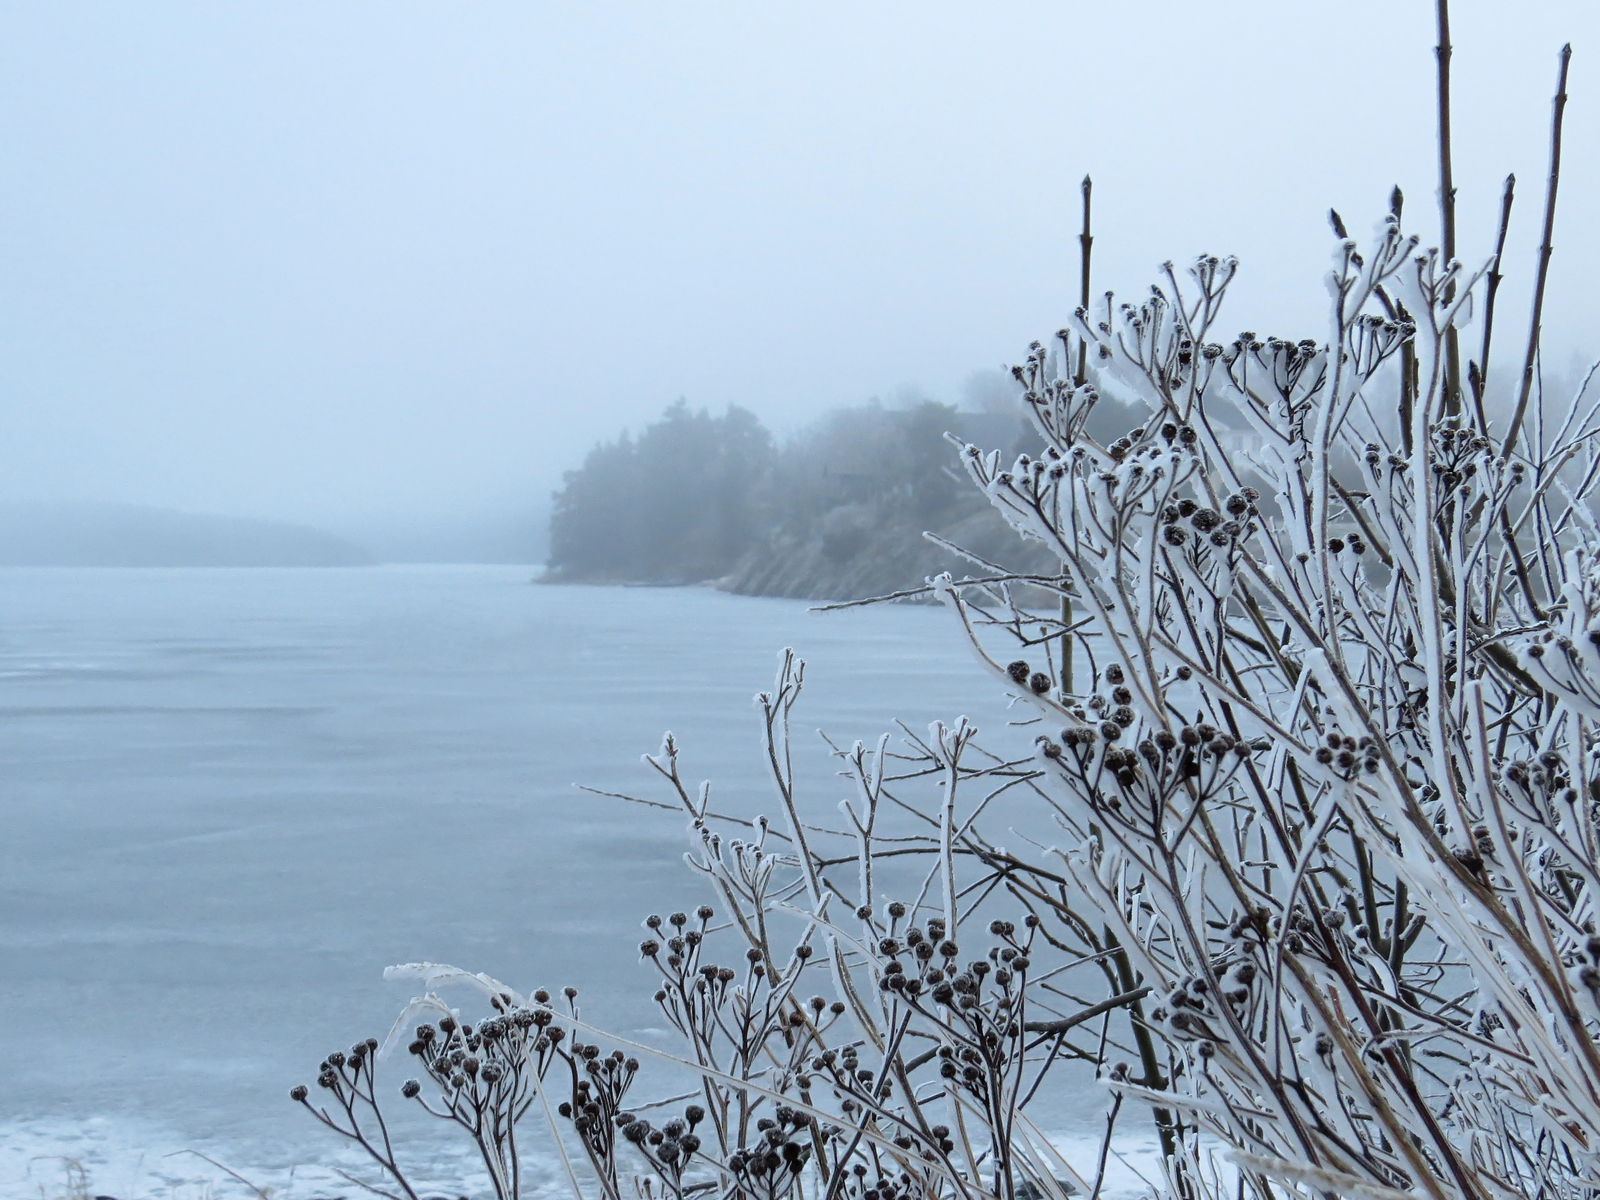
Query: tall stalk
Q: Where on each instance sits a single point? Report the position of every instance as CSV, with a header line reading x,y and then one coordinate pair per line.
x,y
1558,107
1443,52
1479,372
1085,248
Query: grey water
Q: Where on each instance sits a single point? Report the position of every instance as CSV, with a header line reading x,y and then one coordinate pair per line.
x,y
230,798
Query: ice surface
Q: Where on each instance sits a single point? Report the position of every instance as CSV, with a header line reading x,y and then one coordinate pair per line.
x,y
231,798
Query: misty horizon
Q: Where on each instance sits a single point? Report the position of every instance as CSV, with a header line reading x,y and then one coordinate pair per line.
x,y
377,268
56,531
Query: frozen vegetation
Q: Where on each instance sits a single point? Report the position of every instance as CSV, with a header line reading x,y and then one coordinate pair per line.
x,y
1299,874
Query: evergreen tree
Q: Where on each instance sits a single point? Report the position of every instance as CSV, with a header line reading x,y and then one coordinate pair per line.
x,y
673,506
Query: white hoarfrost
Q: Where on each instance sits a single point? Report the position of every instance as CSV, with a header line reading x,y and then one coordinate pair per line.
x,y
1310,825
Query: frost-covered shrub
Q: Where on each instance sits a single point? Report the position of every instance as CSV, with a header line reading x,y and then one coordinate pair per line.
x,y
1317,732
1324,733
1316,687
831,1041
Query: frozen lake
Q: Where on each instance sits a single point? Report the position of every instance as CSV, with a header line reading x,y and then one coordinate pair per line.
x,y
232,797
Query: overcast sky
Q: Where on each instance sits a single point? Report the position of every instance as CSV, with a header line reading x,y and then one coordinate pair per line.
x,y
351,263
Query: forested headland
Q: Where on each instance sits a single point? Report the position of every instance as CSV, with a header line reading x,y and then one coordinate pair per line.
x,y
836,511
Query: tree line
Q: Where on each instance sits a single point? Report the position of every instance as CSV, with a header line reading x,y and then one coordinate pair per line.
x,y
836,510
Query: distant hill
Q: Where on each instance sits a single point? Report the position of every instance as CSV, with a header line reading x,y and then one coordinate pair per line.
x,y
120,535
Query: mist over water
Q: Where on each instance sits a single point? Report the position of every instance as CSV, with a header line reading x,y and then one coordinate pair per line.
x,y
299,286
386,268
